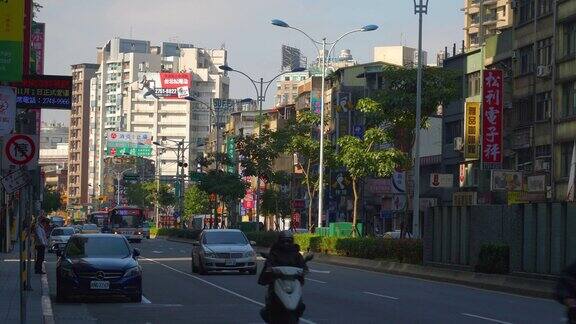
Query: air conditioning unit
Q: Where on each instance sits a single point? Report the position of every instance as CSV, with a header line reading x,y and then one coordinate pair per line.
x,y
458,144
543,71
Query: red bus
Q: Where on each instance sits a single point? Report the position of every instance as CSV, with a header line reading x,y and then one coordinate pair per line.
x,y
128,221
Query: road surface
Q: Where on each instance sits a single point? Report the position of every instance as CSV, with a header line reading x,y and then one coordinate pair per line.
x,y
333,294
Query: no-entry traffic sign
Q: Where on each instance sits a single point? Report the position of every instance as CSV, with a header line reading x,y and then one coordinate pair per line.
x,y
20,150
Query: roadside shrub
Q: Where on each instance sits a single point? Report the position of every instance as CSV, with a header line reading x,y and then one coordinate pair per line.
x,y
153,231
494,258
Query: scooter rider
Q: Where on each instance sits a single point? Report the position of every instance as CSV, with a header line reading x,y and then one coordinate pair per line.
x,y
566,292
282,253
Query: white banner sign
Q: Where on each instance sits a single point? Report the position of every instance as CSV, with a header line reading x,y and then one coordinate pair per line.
x,y
7,110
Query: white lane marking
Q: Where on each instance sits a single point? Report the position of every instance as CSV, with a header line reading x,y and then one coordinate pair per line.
x,y
182,251
379,295
486,318
169,259
146,300
221,288
314,280
11,260
151,305
319,271
542,299
157,252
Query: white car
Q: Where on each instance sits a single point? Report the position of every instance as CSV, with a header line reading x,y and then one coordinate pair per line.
x,y
59,237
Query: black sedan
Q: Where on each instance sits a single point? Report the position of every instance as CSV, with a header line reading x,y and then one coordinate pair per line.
x,y
96,265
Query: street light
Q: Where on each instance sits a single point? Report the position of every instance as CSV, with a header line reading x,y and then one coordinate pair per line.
x,y
325,55
260,97
419,8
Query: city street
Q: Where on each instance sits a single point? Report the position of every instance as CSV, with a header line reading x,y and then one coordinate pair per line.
x,y
333,294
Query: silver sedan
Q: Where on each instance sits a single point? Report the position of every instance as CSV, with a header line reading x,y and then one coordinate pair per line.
x,y
223,249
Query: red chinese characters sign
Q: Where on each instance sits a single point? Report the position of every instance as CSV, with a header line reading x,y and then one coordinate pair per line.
x,y
492,119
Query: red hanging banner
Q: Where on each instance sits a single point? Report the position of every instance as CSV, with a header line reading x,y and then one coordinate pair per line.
x,y
492,119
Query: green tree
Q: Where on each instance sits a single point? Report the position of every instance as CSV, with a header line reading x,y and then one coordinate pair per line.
x,y
303,143
139,195
147,195
229,187
51,200
394,107
367,157
259,152
275,202
196,201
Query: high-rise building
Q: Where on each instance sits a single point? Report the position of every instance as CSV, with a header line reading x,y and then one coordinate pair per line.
x,y
399,55
483,18
79,134
141,88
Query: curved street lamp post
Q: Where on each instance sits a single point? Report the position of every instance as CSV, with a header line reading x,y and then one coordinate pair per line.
x,y
325,55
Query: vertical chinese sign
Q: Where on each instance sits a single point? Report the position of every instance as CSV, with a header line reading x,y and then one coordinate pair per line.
x,y
492,119
472,130
11,40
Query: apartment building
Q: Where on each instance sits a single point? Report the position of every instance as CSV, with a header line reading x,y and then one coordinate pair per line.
x,y
135,90
287,87
399,55
483,18
79,134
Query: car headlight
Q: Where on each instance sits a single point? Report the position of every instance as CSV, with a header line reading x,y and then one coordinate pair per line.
x,y
249,254
133,272
68,273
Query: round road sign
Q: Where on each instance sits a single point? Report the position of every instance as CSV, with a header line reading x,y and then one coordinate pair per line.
x,y
20,149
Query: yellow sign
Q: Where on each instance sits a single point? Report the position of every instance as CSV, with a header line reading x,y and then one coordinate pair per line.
x,y
472,130
516,197
12,20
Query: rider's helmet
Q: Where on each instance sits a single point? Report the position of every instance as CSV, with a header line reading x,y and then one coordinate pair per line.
x,y
286,238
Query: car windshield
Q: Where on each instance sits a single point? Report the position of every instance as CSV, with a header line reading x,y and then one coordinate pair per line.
x,y
231,237
97,247
89,226
62,231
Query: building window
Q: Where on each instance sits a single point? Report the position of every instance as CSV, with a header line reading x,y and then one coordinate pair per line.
x,y
474,39
473,81
525,111
566,158
569,39
474,19
287,78
544,7
525,10
452,130
526,60
569,99
545,51
543,151
543,106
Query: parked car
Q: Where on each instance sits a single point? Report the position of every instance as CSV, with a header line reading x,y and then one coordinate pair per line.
x,y
89,229
223,249
396,235
59,237
97,265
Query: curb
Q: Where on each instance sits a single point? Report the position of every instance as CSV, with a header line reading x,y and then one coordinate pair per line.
x,y
503,283
47,314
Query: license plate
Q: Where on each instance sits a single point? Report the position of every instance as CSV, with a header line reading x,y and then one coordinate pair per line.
x,y
230,262
99,284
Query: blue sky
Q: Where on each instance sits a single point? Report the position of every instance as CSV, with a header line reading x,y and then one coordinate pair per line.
x,y
75,28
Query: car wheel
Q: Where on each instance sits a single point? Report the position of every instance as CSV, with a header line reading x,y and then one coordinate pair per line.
x,y
136,298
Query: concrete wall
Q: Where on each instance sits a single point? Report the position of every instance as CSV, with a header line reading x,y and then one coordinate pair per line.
x,y
541,237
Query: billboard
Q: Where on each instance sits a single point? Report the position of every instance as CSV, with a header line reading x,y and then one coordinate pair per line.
x,y
163,85
45,91
315,104
11,40
131,143
292,58
492,118
471,130
7,110
506,180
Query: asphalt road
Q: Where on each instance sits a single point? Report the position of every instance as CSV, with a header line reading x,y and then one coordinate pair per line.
x,y
333,294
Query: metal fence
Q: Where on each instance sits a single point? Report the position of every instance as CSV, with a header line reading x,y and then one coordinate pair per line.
x,y
541,237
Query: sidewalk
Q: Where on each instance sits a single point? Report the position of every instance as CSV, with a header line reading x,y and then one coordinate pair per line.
x,y
10,292
504,283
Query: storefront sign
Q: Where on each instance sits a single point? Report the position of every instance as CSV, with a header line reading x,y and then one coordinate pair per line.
x,y
7,110
11,40
464,198
471,130
536,183
315,102
492,117
506,180
441,180
37,46
45,91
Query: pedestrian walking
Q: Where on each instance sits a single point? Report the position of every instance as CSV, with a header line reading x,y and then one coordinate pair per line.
x,y
41,243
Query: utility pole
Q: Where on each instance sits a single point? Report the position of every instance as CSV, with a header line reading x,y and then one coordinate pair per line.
x,y
419,9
